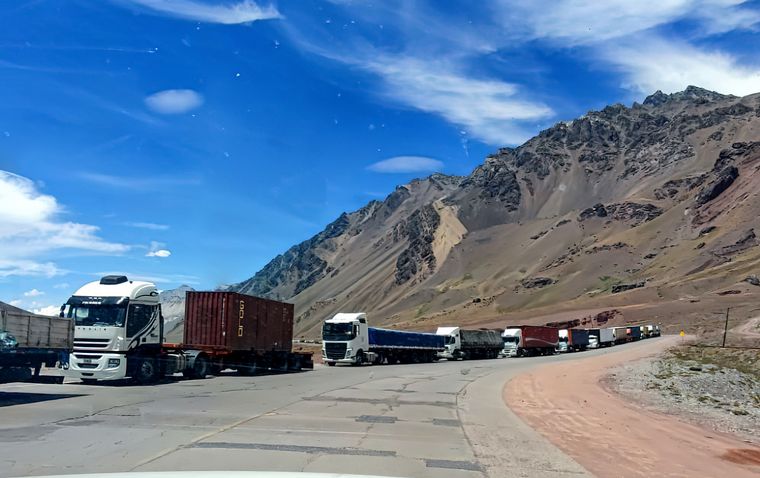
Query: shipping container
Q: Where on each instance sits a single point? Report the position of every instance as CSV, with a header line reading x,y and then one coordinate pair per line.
x,y
622,334
522,340
634,333
237,322
603,337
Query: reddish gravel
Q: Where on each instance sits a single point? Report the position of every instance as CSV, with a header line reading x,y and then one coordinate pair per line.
x,y
611,437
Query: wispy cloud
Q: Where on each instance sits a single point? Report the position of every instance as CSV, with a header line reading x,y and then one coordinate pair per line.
x,y
138,183
30,228
62,285
148,225
172,102
228,13
406,164
33,293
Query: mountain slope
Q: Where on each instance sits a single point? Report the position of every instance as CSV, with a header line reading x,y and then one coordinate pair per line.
x,y
654,202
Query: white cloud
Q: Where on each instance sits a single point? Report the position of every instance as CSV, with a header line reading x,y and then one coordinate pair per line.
x,y
490,110
30,227
172,102
33,293
62,285
587,22
145,183
157,250
50,310
656,64
406,164
229,13
148,225
16,302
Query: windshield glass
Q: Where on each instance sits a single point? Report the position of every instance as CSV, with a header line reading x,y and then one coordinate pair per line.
x,y
97,315
509,340
450,340
337,332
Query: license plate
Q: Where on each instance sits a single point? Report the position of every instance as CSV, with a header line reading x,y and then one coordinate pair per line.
x,y
87,360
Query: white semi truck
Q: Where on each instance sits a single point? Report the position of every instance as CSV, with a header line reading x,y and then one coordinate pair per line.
x,y
347,338
470,344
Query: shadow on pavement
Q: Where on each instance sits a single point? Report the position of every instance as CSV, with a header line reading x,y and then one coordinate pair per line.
x,y
8,399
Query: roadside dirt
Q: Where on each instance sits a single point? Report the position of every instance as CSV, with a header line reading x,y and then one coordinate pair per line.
x,y
609,436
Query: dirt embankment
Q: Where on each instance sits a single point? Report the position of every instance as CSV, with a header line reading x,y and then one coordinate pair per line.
x,y
608,435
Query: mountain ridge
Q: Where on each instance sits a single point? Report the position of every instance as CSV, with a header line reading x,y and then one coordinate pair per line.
x,y
436,244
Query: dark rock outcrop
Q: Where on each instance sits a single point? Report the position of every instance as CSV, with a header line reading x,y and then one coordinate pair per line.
x,y
629,212
537,282
418,256
724,180
617,288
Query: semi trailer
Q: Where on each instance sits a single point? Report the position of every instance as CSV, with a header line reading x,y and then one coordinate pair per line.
x,y
604,337
470,344
573,340
30,341
119,332
347,338
529,340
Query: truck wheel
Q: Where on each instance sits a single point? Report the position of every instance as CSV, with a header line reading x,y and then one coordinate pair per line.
x,y
359,358
146,370
331,364
201,367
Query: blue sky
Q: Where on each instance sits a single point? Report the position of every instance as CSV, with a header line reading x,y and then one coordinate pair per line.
x,y
190,141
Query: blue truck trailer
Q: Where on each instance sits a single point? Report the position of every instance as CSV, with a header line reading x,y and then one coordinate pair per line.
x,y
346,338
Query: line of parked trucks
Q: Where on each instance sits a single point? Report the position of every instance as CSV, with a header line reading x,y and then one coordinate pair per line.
x,y
113,329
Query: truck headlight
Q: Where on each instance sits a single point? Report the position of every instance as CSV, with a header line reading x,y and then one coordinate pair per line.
x,y
113,363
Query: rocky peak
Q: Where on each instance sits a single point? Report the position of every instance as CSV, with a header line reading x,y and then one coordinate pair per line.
x,y
691,93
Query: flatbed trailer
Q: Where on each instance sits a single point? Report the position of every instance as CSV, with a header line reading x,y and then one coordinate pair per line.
x,y
30,341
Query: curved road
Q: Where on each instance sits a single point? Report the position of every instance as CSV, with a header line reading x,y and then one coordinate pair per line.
x,y
427,420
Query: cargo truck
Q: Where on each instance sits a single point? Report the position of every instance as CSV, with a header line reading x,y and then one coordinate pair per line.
x,y
604,337
30,341
573,340
530,340
634,333
622,334
470,344
119,331
653,330
347,338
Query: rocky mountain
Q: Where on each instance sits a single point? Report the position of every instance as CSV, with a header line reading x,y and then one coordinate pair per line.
x,y
173,310
624,207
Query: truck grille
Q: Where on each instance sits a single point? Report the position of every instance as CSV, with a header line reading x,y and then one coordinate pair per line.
x,y
335,350
86,345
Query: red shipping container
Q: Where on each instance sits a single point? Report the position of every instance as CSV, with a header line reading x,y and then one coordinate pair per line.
x,y
237,322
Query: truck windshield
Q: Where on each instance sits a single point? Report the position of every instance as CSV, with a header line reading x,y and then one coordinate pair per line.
x,y
450,340
510,340
337,332
97,315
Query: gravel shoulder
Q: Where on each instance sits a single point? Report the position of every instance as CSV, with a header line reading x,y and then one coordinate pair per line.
x,y
607,434
716,388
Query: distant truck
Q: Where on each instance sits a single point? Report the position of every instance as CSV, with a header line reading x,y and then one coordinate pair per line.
x,y
347,338
470,344
530,340
29,341
622,335
119,331
653,330
573,340
604,337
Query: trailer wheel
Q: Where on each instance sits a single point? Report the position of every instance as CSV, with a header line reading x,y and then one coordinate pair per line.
x,y
146,370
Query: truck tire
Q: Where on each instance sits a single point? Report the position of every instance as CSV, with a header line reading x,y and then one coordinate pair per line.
x,y
201,367
146,370
330,364
359,358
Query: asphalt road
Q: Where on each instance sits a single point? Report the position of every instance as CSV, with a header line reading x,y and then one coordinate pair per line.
x,y
426,420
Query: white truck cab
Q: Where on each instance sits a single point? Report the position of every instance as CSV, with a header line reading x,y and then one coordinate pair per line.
x,y
511,338
593,341
452,342
563,341
345,339
116,319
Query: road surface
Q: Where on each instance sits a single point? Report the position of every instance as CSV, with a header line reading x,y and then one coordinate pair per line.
x,y
438,420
